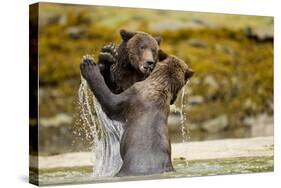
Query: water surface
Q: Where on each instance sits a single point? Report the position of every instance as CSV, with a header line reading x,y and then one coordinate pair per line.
x,y
183,168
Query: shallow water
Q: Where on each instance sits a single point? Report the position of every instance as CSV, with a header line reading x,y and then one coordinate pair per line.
x,y
105,134
183,168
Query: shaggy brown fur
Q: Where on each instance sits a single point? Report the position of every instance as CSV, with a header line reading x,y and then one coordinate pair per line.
x,y
143,108
135,59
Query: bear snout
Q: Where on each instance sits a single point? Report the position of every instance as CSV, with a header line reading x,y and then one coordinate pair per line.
x,y
146,69
150,63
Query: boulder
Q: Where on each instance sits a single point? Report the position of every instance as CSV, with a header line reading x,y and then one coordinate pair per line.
x,y
262,34
197,43
215,125
261,125
195,100
167,25
212,86
75,32
199,23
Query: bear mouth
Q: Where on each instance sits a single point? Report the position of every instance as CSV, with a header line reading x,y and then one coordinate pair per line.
x,y
145,70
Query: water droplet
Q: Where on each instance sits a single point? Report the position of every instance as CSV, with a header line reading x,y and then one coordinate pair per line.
x,y
184,130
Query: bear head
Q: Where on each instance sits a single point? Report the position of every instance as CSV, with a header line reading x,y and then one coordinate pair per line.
x,y
174,71
142,50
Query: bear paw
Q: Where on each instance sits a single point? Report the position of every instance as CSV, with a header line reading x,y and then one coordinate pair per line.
x,y
108,54
88,67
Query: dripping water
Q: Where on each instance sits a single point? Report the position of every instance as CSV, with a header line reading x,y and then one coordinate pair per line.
x,y
105,133
184,129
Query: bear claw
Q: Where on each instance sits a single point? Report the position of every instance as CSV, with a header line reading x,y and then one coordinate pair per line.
x,y
88,59
108,54
110,49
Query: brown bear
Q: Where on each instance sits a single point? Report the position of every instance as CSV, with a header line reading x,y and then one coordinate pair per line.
x,y
143,108
133,61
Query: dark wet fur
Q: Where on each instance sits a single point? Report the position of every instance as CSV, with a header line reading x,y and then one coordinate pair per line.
x,y
122,71
143,108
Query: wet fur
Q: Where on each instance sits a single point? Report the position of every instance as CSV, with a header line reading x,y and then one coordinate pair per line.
x,y
143,108
124,71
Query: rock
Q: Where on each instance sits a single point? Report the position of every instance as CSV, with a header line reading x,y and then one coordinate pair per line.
x,y
57,19
75,32
193,126
234,80
198,43
263,34
52,19
198,23
249,104
224,49
215,125
56,121
195,100
261,125
270,104
212,86
210,80
195,81
167,25
249,121
172,25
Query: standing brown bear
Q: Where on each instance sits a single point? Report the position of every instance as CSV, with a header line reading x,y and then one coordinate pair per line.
x,y
122,66
133,61
143,108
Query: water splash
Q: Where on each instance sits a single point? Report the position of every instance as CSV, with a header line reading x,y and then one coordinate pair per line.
x,y
184,129
105,133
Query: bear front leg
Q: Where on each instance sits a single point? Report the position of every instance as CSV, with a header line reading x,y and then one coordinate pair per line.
x,y
88,68
112,104
107,56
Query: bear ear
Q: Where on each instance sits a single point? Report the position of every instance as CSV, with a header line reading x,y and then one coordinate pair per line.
x,y
126,35
188,73
158,39
162,55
